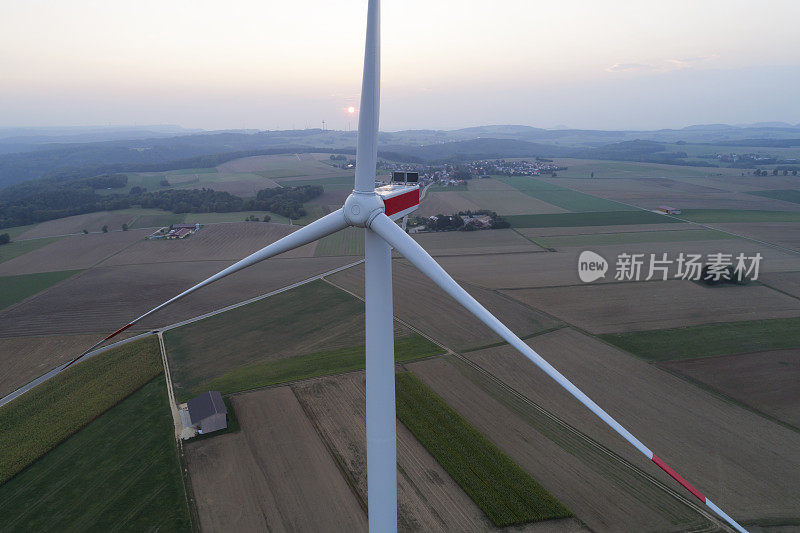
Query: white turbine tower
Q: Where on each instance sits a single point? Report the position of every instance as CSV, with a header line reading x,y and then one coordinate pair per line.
x,y
375,210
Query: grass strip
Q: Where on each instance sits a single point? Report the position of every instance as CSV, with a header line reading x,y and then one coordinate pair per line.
x,y
36,422
120,472
726,338
14,289
599,218
312,365
563,197
787,195
739,215
504,491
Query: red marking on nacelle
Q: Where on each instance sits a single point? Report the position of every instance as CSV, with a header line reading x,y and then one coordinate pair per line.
x,y
677,477
401,202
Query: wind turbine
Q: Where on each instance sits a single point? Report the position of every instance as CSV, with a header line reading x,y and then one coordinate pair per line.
x,y
375,210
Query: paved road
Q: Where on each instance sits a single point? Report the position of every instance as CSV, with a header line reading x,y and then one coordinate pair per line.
x,y
54,372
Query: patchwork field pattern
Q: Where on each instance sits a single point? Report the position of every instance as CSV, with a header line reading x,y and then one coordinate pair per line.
x,y
266,476
638,306
14,289
120,471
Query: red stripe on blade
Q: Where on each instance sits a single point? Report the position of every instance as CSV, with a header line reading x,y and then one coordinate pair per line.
x,y
677,477
120,330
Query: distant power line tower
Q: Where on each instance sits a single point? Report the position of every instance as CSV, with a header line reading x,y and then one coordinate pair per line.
x,y
323,125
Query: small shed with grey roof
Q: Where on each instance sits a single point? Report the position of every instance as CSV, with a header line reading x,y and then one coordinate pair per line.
x,y
207,412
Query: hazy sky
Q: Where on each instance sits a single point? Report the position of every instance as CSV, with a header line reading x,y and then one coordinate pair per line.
x,y
446,64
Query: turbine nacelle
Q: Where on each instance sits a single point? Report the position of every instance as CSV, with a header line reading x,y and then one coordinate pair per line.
x,y
395,200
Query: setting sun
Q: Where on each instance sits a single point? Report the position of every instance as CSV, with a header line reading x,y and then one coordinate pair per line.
x,y
351,109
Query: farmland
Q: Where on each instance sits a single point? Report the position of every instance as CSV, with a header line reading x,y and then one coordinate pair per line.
x,y
630,306
766,381
561,197
313,365
304,320
471,242
600,218
499,196
696,432
631,237
738,215
37,421
17,248
604,492
120,471
707,340
505,492
349,241
274,474
418,302
14,289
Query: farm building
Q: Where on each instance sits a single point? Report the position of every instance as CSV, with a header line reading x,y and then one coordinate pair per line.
x,y
181,231
667,210
207,412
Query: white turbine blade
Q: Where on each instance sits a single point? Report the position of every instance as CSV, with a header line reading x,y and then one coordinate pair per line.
x,y
316,230
408,247
369,112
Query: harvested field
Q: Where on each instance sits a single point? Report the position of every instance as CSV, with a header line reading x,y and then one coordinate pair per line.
x,y
766,381
496,241
275,474
72,253
120,471
283,165
92,222
504,199
420,303
596,230
739,215
562,197
25,358
445,203
788,282
695,200
552,269
219,242
739,459
710,339
337,182
40,419
619,307
105,298
783,233
17,248
601,218
14,289
604,493
600,239
428,498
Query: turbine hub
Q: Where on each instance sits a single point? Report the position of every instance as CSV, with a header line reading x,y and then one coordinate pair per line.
x,y
361,207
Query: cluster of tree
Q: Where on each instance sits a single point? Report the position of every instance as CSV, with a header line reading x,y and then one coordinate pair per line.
x,y
775,171
253,218
46,200
727,275
284,201
5,238
497,221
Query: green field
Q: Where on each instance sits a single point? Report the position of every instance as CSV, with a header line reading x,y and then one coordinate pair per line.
x,y
121,472
631,237
18,248
583,168
236,216
314,365
787,195
505,492
561,197
14,289
602,218
289,324
737,215
710,339
16,231
40,419
349,241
